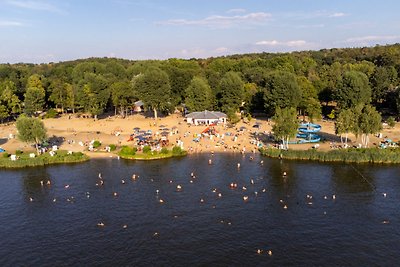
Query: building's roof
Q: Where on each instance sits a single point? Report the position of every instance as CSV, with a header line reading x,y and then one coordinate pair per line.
x,y
206,115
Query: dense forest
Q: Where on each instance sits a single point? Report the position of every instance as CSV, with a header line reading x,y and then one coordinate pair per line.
x,y
314,83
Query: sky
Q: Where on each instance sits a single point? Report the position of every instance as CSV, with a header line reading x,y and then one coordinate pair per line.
x,y
42,31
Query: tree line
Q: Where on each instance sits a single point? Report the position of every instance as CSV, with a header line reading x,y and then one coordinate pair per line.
x,y
313,83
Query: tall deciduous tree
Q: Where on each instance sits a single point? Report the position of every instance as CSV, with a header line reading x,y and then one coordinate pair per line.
x,y
282,91
285,125
345,123
231,92
93,94
8,99
35,95
369,122
353,91
309,103
122,96
31,130
199,96
153,89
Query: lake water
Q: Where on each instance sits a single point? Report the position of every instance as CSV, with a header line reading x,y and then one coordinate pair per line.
x,y
345,221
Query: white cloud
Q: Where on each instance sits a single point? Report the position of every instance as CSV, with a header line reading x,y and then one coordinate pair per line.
x,y
9,23
222,21
293,43
314,15
337,15
35,5
373,38
236,10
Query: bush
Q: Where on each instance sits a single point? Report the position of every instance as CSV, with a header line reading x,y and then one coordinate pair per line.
x,y
18,152
176,151
391,122
6,155
232,117
51,114
164,150
146,149
96,144
128,151
113,147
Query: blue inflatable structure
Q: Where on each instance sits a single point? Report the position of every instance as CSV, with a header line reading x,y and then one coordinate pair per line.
x,y
307,134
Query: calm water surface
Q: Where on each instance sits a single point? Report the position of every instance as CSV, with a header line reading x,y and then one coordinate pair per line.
x,y
360,227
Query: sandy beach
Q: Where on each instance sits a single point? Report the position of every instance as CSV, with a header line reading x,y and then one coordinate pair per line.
x,y
75,134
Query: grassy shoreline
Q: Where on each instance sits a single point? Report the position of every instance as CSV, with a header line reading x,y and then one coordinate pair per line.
x,y
351,155
45,159
131,153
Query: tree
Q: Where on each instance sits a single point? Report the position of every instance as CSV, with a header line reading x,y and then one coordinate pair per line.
x,y
282,91
3,113
345,123
9,101
35,95
34,100
58,93
31,130
231,92
309,103
382,80
353,91
93,93
285,125
153,89
122,96
199,96
369,122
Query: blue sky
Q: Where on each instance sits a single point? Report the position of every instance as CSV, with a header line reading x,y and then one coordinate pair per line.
x,y
40,31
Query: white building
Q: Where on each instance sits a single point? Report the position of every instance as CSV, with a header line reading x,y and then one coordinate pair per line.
x,y
206,117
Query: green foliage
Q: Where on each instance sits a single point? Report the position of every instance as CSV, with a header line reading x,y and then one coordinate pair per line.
x,y
122,95
61,156
352,155
34,100
18,152
199,96
232,116
285,124
345,122
31,130
146,149
127,151
177,151
164,150
282,91
231,92
154,89
332,114
369,122
5,155
96,144
51,114
112,147
391,122
353,91
94,85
